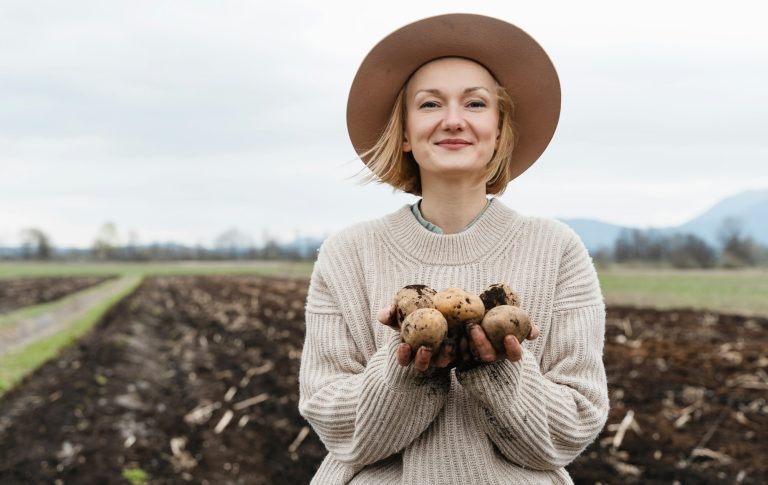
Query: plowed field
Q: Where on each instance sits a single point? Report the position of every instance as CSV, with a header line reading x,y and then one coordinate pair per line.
x,y
20,292
194,379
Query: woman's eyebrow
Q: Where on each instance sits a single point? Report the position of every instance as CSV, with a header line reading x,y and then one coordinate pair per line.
x,y
438,92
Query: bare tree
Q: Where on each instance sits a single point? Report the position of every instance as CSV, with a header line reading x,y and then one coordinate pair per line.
x,y
738,250
106,243
35,244
234,242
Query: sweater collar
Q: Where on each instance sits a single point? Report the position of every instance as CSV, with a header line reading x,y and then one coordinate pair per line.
x,y
497,223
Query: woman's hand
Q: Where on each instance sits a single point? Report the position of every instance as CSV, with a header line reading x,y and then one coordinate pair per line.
x,y
423,358
483,351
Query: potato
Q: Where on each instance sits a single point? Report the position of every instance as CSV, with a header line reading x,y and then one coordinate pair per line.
x,y
424,326
499,294
412,297
505,320
459,307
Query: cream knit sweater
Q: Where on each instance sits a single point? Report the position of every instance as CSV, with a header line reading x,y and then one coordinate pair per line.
x,y
501,422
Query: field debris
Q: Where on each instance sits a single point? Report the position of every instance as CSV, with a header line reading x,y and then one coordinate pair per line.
x,y
201,413
182,459
299,439
250,402
626,423
224,421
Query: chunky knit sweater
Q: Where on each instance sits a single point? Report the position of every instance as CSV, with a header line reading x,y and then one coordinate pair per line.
x,y
500,422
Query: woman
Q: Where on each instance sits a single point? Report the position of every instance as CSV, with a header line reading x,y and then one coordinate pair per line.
x,y
452,108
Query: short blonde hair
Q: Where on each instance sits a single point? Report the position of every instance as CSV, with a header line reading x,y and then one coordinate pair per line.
x,y
391,165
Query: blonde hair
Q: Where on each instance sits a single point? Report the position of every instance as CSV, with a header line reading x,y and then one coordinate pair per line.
x,y
391,165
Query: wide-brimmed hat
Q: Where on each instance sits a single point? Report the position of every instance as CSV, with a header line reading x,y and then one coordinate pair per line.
x,y
512,56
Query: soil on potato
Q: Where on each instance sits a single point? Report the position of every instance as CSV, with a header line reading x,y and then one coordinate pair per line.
x,y
194,379
20,292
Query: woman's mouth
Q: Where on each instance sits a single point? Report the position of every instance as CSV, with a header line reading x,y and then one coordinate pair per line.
x,y
453,144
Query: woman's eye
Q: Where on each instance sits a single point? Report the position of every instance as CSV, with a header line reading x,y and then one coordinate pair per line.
x,y
428,104
476,104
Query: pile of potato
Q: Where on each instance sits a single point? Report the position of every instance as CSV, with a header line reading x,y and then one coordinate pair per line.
x,y
427,317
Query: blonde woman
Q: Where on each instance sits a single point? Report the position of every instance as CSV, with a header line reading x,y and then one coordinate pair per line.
x,y
451,109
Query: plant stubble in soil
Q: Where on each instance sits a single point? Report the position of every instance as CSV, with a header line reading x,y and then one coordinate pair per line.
x,y
196,379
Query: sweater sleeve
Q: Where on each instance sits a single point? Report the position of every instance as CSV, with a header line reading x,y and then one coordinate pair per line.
x,y
543,417
363,410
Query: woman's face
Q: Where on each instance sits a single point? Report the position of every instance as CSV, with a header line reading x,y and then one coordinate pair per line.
x,y
452,117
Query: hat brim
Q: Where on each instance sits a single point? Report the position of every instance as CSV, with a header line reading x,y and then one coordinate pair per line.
x,y
512,56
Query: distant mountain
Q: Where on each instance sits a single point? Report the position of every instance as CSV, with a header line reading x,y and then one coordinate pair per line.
x,y
750,208
595,234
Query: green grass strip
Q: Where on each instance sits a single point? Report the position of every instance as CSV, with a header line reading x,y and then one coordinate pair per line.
x,y
14,366
741,292
260,268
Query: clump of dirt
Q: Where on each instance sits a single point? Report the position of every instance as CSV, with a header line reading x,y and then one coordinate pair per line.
x,y
20,292
195,379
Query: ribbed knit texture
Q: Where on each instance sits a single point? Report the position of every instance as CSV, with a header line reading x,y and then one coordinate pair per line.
x,y
497,423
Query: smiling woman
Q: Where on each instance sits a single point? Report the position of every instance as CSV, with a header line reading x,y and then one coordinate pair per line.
x,y
453,116
483,102
431,113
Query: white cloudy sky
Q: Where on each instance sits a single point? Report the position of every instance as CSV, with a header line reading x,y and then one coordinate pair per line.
x,y
180,119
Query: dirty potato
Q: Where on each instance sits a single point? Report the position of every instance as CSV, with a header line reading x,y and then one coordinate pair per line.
x,y
412,297
459,307
499,294
424,326
506,320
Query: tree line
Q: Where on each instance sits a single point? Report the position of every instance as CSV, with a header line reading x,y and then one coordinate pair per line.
x,y
683,250
679,250
232,244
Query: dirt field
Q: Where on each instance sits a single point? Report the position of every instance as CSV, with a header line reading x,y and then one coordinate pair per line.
x,y
688,395
195,379
20,292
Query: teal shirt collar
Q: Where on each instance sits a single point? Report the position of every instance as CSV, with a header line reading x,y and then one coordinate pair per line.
x,y
428,225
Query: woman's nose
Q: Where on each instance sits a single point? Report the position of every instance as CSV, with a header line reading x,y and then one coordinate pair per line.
x,y
454,118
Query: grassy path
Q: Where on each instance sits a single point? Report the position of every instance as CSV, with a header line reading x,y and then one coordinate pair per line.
x,y
33,335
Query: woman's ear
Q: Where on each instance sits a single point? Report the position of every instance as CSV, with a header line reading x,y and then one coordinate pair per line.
x,y
406,143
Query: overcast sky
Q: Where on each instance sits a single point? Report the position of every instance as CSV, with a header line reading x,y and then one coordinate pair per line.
x,y
177,120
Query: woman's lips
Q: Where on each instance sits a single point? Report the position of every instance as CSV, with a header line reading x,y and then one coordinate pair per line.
x,y
454,145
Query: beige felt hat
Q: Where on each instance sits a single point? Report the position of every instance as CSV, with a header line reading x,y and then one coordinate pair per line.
x,y
512,56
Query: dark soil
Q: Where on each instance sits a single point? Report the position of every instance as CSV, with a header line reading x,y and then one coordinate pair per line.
x,y
20,292
194,379
696,384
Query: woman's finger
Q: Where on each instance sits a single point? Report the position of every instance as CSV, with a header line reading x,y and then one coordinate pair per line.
x,y
513,348
421,361
387,317
383,316
446,355
404,354
482,345
534,332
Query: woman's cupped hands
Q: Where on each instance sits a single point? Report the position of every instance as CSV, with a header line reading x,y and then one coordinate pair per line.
x,y
475,349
